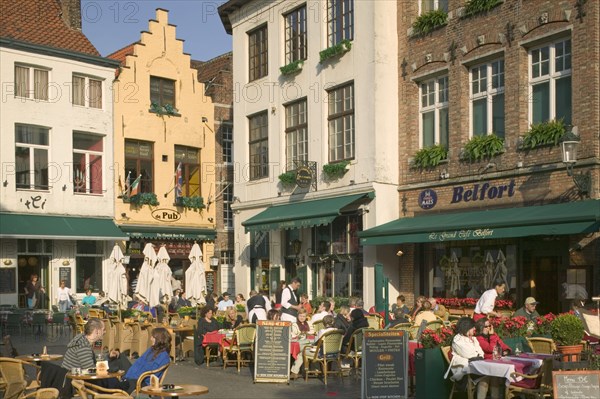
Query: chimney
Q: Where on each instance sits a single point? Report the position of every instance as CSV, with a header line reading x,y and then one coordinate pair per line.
x,y
71,13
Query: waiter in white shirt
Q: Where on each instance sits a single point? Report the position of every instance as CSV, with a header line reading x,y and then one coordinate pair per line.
x,y
485,305
289,301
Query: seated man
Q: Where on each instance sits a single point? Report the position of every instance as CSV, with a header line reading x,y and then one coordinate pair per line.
x,y
397,317
438,309
80,351
323,310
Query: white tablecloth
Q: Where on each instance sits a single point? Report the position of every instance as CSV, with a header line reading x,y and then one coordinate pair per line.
x,y
504,368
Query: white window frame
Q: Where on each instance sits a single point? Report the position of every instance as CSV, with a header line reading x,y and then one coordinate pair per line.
x,y
296,35
346,117
32,161
493,85
87,154
87,103
551,77
340,21
296,134
227,211
30,89
227,143
436,4
440,102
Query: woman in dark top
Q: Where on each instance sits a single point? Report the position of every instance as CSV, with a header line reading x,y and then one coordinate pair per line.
x,y
278,293
341,319
206,324
357,321
233,319
33,292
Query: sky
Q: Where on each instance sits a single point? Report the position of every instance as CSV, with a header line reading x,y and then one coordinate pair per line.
x,y
113,24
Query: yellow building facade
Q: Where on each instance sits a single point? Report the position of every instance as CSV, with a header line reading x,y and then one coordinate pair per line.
x,y
164,150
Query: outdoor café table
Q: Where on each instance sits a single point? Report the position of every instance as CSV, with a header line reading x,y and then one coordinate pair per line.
x,y
179,390
179,333
94,376
504,367
215,337
38,359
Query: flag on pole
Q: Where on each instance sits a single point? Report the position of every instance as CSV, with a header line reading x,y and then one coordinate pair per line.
x,y
127,184
135,187
120,187
178,182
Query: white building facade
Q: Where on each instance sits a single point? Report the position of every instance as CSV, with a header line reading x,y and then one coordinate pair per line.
x,y
57,191
315,143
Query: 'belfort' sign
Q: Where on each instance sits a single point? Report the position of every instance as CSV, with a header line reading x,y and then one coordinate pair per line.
x,y
481,192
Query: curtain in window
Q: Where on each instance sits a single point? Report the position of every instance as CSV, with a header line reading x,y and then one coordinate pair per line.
x,y
40,78
78,90
21,81
95,93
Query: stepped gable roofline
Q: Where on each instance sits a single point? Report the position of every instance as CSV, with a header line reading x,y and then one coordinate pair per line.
x,y
40,22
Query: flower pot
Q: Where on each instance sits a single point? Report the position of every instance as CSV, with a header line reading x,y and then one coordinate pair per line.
x,y
570,353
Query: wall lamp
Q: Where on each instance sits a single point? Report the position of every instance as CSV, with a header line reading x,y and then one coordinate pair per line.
x,y
214,262
204,119
570,145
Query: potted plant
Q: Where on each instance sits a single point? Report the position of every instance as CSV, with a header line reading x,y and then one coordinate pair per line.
x,y
567,332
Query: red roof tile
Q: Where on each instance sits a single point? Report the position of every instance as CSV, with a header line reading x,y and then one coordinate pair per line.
x,y
121,54
39,22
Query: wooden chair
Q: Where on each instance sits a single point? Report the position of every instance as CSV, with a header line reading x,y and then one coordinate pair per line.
x,y
14,377
354,349
470,383
537,385
242,342
541,345
187,343
327,350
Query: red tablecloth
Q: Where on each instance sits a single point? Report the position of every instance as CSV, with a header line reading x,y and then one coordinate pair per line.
x,y
412,345
213,338
295,349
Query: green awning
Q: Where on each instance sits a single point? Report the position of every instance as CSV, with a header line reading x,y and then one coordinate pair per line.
x,y
17,225
555,219
300,214
168,233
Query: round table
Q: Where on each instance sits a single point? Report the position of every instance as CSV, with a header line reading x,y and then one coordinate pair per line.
x,y
87,377
38,359
186,390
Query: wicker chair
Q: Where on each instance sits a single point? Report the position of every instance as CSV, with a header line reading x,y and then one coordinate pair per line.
x,y
541,345
317,326
470,383
327,350
91,391
354,349
402,326
537,385
43,393
14,377
435,325
375,321
242,342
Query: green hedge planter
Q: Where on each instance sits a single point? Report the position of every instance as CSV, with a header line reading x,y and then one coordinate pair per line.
x,y
335,170
474,7
195,203
292,67
142,199
338,49
430,21
429,157
543,134
430,368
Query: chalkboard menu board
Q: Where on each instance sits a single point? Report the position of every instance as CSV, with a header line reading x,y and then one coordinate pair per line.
x,y
385,364
272,351
210,281
64,274
8,278
584,384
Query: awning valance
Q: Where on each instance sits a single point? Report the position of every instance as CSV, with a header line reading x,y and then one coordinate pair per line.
x,y
18,225
168,233
555,219
300,214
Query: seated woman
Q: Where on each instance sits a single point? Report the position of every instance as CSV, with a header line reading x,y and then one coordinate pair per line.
x,y
206,324
301,328
155,357
397,317
357,320
425,314
465,348
342,319
232,319
488,340
328,322
88,299
274,314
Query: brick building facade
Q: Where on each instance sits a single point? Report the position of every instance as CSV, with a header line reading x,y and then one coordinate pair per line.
x,y
500,71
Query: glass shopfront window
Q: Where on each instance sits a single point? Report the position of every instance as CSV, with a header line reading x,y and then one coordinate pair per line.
x,y
89,265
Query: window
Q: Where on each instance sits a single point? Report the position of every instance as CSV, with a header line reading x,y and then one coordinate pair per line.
x,y
162,91
31,156
24,75
295,35
550,82
87,163
429,5
341,123
434,112
340,21
227,211
189,159
487,99
227,258
89,265
258,53
139,161
87,91
227,143
259,146
296,135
